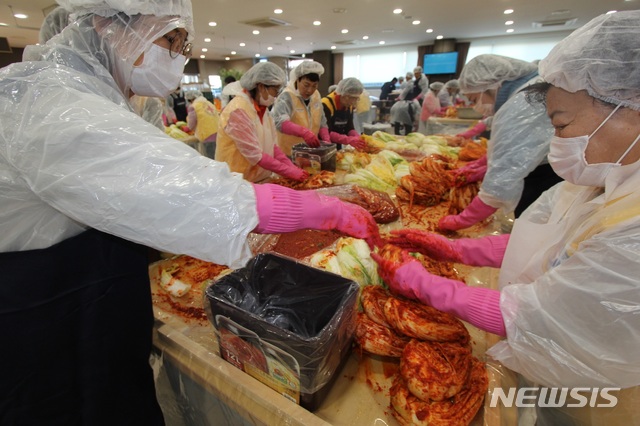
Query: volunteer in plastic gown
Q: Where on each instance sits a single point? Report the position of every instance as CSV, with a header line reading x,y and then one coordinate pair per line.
x,y
338,108
298,111
85,185
203,118
448,95
247,137
430,105
570,292
517,169
417,88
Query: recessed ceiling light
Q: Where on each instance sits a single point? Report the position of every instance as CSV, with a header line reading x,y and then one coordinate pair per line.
x,y
20,16
277,11
333,47
202,56
611,11
226,58
207,40
509,23
381,42
292,51
508,11
269,48
316,23
344,31
304,55
213,24
242,44
365,37
397,11
257,55
510,30
416,22
233,52
287,38
440,37
429,30
255,32
2,24
204,49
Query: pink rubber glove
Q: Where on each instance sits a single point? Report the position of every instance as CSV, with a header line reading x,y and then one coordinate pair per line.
x,y
354,133
474,213
309,137
473,171
284,169
476,305
485,251
324,134
474,131
354,141
282,209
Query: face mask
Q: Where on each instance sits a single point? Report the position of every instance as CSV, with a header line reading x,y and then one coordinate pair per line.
x,y
268,102
159,73
567,159
485,109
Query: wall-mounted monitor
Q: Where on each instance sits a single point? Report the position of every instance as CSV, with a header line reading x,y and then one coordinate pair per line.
x,y
440,63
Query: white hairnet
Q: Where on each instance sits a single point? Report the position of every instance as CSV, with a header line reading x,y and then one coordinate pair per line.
x,y
192,94
53,23
486,72
107,8
350,86
332,88
417,69
452,84
266,73
307,67
436,85
602,57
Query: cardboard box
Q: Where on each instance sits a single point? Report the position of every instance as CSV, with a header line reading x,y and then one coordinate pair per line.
x,y
286,324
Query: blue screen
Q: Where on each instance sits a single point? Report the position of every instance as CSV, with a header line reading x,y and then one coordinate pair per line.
x,y
440,63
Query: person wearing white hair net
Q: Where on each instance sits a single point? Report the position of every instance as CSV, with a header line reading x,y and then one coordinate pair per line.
x,y
87,187
430,105
298,111
339,107
203,119
569,289
517,171
405,112
448,95
247,137
417,88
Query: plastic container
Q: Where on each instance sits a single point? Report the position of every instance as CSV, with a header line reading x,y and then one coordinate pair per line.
x,y
314,160
286,324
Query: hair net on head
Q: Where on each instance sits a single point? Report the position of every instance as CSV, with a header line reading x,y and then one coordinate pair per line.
x,y
332,88
307,67
452,84
436,85
485,72
601,57
417,69
192,94
350,86
266,73
54,22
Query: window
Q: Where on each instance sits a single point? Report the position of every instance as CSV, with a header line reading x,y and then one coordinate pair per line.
x,y
380,66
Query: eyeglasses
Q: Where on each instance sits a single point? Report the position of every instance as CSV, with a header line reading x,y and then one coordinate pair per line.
x,y
178,46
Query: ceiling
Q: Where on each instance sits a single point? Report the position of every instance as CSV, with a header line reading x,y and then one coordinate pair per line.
x,y
452,19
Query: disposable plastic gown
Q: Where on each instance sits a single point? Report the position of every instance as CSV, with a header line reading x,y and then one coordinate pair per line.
x,y
520,137
74,155
571,311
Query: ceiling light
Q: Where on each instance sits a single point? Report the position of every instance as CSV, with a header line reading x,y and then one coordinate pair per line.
x,y
344,31
2,24
202,56
365,37
207,40
233,52
204,49
333,47
20,16
269,48
339,10
316,23
440,37
304,55
213,24
611,11
381,42
397,11
510,30
255,32
277,11
508,12
292,51
257,55
287,38
242,44
416,22
429,30
226,58
509,23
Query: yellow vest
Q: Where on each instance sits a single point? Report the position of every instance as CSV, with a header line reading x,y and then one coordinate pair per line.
x,y
308,117
265,132
207,118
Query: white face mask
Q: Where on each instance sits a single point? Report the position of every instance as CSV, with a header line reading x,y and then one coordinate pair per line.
x,y
267,102
485,109
567,159
159,74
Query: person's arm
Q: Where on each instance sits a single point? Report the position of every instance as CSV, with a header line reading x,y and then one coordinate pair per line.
x,y
290,128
